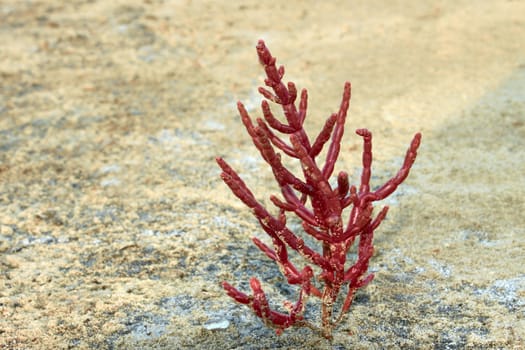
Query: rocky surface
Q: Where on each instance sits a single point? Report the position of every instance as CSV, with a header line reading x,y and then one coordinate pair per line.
x,y
115,229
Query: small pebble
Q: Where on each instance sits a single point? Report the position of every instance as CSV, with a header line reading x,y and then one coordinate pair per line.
x,y
217,325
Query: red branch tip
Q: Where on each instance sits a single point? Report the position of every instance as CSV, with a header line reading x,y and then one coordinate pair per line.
x,y
313,199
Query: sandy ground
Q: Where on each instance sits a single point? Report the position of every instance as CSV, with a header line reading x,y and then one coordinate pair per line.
x,y
115,229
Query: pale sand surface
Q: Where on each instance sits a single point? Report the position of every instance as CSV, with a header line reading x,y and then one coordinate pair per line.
x,y
116,231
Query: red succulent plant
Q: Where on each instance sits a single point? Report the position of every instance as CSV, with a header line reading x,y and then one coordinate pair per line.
x,y
314,200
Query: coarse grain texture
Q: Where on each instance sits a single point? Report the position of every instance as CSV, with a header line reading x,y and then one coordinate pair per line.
x,y
115,228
